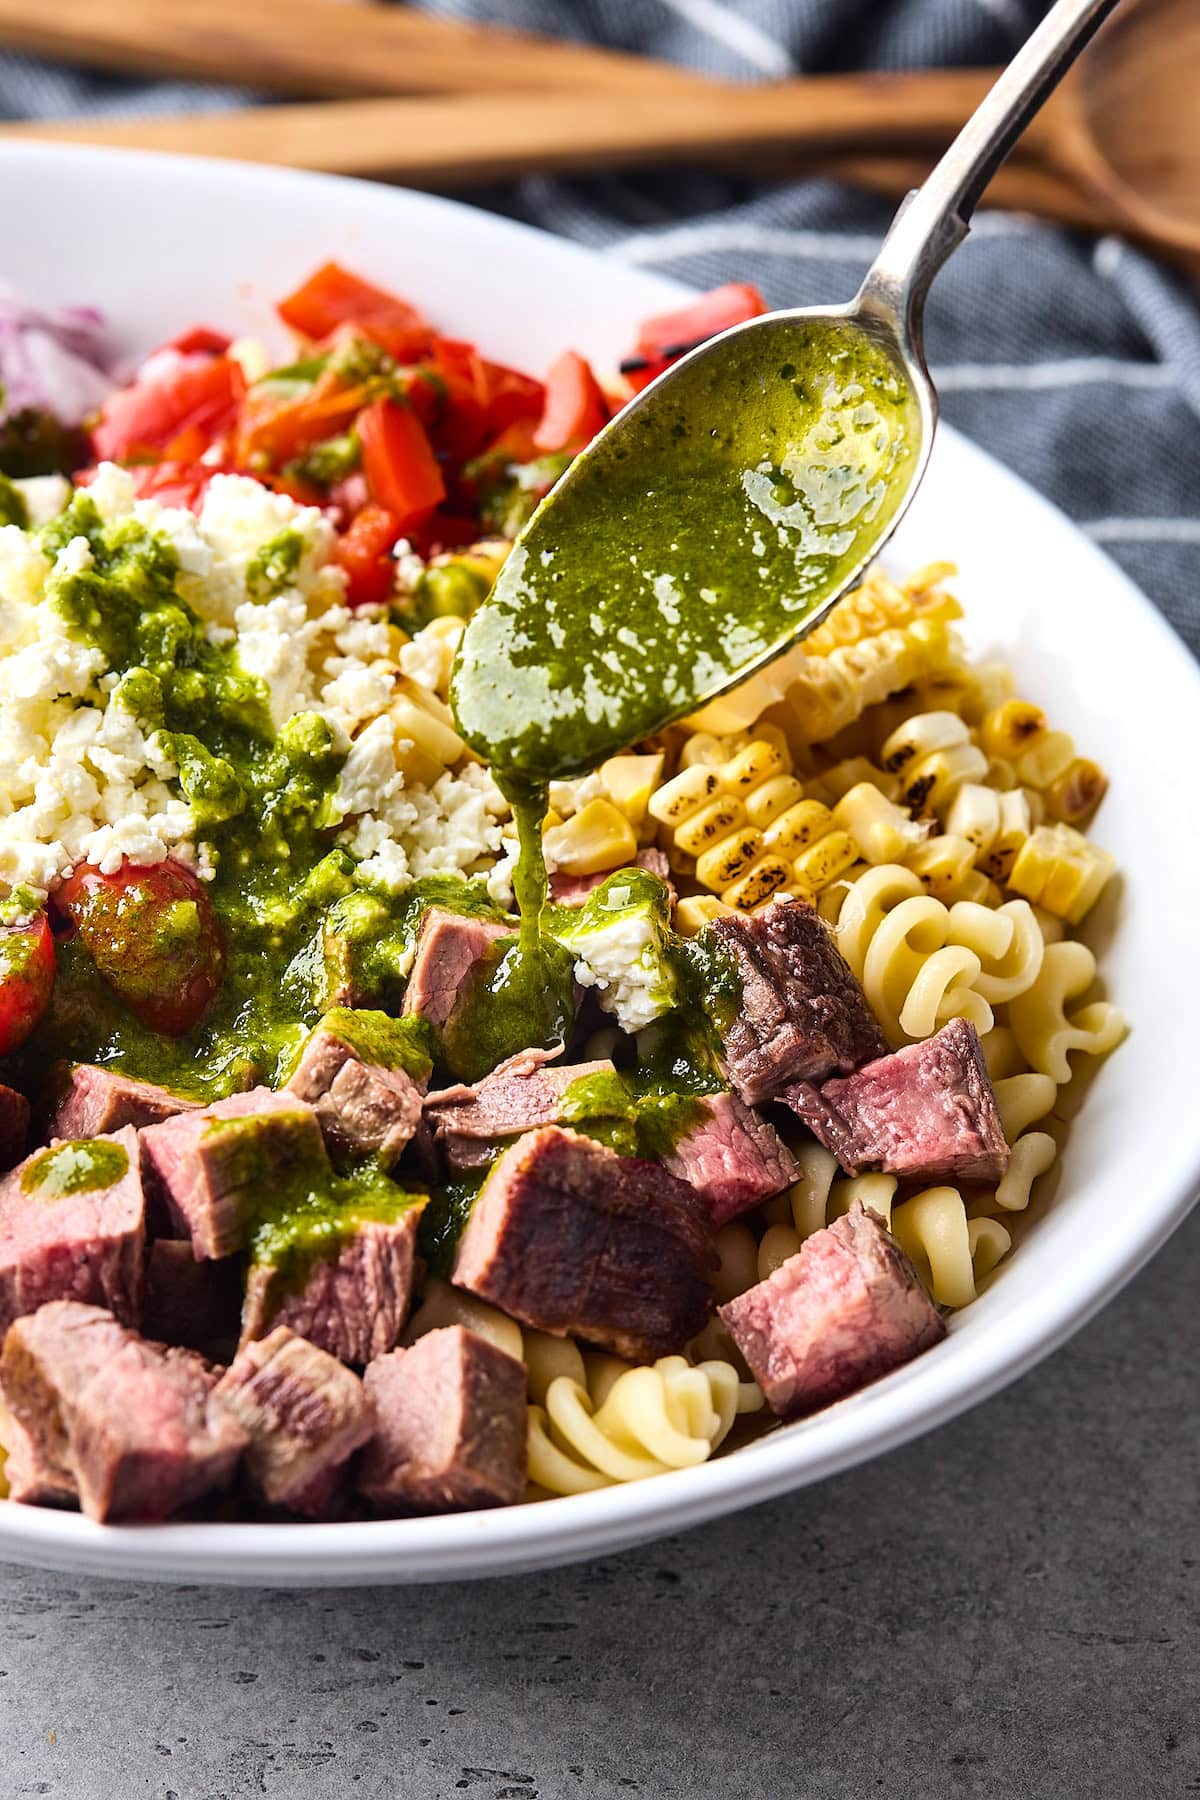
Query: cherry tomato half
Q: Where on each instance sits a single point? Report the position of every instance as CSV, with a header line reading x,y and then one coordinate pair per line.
x,y
154,936
26,978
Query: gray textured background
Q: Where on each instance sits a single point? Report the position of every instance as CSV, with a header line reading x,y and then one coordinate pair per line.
x,y
1007,1608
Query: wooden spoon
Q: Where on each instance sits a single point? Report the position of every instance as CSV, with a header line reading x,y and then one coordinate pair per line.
x,y
1119,135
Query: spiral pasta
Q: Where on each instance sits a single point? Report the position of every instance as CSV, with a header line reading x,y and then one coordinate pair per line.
x,y
952,1252
1045,1031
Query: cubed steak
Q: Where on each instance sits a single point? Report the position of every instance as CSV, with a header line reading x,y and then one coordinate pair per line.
x,y
573,890
136,1426
305,1415
450,1426
14,1125
368,1102
847,1308
450,948
346,1287
46,1361
188,1302
732,1157
926,1112
88,1101
802,1014
471,1123
212,1169
571,1238
73,1227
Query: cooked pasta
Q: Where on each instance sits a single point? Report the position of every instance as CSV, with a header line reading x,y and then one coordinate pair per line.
x,y
933,1229
671,1415
1045,1031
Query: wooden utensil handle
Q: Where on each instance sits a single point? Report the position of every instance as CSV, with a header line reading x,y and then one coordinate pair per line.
x,y
455,141
317,47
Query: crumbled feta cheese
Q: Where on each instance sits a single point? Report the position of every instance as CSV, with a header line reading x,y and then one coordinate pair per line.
x,y
44,496
624,962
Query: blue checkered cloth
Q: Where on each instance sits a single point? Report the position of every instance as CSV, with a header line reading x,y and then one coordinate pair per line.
x,y
1077,361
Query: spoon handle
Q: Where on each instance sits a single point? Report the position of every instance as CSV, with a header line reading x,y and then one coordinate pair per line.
x,y
935,217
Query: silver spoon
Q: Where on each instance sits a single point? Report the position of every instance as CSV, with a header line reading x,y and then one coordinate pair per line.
x,y
728,507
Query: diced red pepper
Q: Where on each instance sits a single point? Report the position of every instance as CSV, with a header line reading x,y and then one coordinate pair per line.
x,y
512,396
666,336
575,407
364,552
154,936
334,296
199,340
275,431
195,394
403,474
26,978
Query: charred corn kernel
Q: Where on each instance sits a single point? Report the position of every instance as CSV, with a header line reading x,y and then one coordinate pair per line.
x,y
1036,803
772,798
629,782
729,860
684,794
825,860
709,825
698,910
797,828
413,721
761,880
596,838
931,784
746,703
947,690
1015,826
974,885
882,830
829,692
1074,796
975,814
919,736
879,605
1047,760
1012,728
941,863
706,747
1061,870
991,685
1000,774
837,780
756,763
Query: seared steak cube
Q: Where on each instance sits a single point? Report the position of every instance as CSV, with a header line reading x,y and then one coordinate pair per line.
x,y
46,1361
571,1238
471,1123
346,1287
73,1227
573,890
305,1414
450,948
450,1426
136,1425
189,1302
213,1169
89,1101
732,1157
802,1014
847,1308
368,1103
14,1125
927,1111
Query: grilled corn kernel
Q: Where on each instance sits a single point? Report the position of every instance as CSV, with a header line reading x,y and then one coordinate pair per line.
x,y
1012,728
974,885
772,798
698,910
882,830
1015,826
825,860
975,814
931,783
684,794
1074,796
941,863
629,782
918,736
834,782
596,838
1036,804
727,861
761,880
756,763
1061,870
797,828
991,686
709,824
707,747
1049,758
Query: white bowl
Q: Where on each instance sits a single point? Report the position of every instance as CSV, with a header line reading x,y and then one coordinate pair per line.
x,y
160,243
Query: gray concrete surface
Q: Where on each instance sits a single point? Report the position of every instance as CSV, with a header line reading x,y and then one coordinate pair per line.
x,y
1008,1608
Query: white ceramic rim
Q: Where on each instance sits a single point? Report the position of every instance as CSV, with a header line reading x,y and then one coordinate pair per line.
x,y
958,1373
